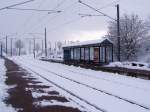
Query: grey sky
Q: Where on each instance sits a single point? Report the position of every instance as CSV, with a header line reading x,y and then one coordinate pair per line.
x,y
67,25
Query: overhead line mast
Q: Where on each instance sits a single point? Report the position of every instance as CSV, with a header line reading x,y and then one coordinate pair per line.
x,y
118,31
45,43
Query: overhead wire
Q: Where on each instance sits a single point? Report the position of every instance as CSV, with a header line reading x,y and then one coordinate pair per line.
x,y
41,19
71,21
21,3
54,17
74,20
109,4
96,10
87,15
27,21
103,7
59,4
38,10
17,4
65,23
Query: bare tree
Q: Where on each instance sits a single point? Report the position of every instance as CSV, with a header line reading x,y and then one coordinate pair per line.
x,y
19,45
132,33
146,45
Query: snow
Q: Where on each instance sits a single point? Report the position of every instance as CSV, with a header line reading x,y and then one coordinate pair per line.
x,y
124,87
71,102
3,90
137,65
53,102
43,103
59,59
86,42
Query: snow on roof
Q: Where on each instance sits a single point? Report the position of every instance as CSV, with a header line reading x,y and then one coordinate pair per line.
x,y
97,41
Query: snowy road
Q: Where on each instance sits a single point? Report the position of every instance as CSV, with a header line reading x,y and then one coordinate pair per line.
x,y
104,91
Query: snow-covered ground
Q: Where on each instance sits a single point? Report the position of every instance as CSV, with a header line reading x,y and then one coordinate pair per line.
x,y
131,65
60,59
3,89
43,103
96,90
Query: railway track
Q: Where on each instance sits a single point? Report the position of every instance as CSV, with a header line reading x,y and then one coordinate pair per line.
x,y
71,93
115,82
88,86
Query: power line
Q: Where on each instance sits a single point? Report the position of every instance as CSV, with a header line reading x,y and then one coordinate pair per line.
x,y
30,17
35,26
36,33
109,4
65,23
44,17
96,10
105,6
59,26
16,4
89,15
38,10
59,4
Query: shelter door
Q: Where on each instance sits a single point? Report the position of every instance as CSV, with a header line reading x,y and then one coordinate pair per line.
x,y
96,55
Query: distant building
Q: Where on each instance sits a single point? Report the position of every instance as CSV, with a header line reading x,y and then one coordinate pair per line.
x,y
95,52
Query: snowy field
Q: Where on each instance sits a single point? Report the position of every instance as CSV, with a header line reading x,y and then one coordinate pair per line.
x,y
3,89
97,91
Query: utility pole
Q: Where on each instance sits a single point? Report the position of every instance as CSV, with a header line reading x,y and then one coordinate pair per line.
x,y
118,31
1,49
11,41
50,46
6,44
42,46
45,44
55,48
29,46
34,47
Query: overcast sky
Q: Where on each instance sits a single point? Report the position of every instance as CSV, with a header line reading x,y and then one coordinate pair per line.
x,y
67,25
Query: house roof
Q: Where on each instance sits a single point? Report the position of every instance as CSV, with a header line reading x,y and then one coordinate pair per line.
x,y
90,42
